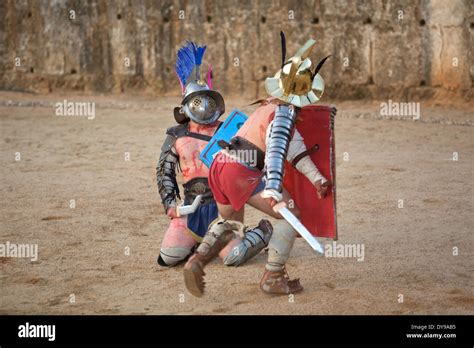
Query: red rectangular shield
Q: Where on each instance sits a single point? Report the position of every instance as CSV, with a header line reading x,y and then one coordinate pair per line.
x,y
319,216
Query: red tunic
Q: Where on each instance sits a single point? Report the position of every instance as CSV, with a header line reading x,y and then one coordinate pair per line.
x,y
231,182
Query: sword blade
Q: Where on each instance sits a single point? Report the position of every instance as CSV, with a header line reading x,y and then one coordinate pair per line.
x,y
300,228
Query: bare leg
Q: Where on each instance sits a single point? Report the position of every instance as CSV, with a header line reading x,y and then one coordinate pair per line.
x,y
177,243
228,248
228,213
261,204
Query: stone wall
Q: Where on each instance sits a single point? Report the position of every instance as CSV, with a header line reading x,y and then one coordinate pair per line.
x,y
380,48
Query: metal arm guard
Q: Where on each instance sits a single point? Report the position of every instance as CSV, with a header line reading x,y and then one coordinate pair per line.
x,y
277,148
166,173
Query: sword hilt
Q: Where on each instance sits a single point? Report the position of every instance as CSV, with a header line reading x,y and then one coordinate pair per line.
x,y
278,206
189,209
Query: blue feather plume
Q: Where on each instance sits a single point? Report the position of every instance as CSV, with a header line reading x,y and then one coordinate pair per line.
x,y
187,57
185,62
199,53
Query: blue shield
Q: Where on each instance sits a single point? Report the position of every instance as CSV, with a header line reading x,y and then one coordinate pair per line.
x,y
228,129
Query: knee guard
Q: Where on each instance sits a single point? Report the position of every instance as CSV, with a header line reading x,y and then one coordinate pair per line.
x,y
280,245
254,241
170,257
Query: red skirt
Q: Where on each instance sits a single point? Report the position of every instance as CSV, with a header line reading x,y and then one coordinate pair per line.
x,y
233,183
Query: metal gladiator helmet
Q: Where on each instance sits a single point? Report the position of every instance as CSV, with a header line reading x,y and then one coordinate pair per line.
x,y
200,103
295,83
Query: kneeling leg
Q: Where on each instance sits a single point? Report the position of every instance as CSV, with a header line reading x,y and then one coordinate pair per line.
x,y
177,244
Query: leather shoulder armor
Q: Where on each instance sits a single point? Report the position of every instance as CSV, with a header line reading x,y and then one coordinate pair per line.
x,y
173,134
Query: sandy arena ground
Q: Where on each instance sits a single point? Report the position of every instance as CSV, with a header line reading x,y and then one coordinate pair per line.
x,y
82,251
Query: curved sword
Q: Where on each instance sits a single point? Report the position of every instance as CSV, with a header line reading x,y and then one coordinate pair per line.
x,y
189,209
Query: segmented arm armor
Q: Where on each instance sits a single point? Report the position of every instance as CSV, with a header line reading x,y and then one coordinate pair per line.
x,y
277,147
166,173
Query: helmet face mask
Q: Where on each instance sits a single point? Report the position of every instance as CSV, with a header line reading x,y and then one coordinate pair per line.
x,y
202,108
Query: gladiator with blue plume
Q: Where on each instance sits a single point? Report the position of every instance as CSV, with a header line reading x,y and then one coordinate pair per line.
x,y
200,102
192,211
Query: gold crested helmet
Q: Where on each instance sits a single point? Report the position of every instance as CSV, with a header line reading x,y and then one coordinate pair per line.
x,y
295,83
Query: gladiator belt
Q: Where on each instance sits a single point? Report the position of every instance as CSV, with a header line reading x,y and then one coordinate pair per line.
x,y
241,144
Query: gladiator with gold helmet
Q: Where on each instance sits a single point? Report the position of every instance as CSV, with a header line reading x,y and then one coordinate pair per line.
x,y
285,161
